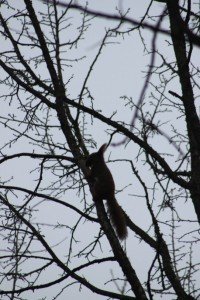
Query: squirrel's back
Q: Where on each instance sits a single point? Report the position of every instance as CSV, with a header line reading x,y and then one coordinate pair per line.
x,y
104,188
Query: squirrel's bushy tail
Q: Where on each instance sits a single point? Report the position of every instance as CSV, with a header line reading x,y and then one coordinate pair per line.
x,y
117,218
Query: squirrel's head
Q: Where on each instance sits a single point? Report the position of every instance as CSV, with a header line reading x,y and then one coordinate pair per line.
x,y
94,158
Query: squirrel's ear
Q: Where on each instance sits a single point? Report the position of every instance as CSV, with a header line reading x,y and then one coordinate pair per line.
x,y
102,149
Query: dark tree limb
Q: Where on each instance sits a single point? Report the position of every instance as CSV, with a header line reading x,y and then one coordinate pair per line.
x,y
192,120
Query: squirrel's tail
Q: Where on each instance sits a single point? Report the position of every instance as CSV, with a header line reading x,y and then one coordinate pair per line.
x,y
117,218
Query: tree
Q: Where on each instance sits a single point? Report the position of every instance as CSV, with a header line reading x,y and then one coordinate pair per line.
x,y
53,235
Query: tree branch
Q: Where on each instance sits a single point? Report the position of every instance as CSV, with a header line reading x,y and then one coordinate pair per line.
x,y
57,261
39,195
135,139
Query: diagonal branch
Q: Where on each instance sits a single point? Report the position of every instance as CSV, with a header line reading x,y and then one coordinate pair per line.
x,y
57,261
21,58
120,128
40,195
27,87
44,48
195,39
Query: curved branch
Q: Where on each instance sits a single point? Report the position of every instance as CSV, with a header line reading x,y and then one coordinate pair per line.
x,y
39,195
35,155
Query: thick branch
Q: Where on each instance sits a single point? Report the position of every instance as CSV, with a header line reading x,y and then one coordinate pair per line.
x,y
119,254
192,120
41,39
35,155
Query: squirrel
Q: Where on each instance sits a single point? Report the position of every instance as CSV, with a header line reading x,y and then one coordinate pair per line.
x,y
103,188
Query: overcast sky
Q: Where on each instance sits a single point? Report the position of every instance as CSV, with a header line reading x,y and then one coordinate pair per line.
x,y
119,71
